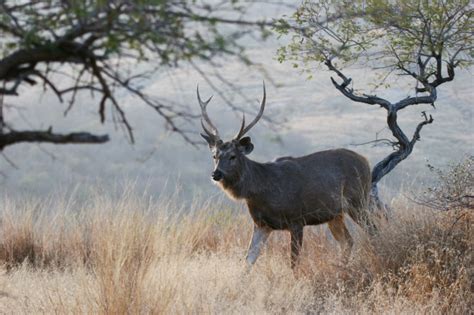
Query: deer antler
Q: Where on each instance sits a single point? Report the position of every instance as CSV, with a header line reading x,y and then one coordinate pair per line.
x,y
214,133
244,129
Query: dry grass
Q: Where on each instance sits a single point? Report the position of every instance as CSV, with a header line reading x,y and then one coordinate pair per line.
x,y
133,255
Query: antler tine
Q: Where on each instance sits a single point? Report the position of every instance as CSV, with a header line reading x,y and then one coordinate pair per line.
x,y
207,131
259,115
242,126
205,116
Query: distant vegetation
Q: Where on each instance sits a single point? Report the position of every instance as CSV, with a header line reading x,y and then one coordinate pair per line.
x,y
134,255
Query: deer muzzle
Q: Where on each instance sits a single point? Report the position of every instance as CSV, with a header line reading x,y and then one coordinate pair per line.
x,y
217,175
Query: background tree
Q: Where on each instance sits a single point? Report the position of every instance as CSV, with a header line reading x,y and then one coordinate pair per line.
x,y
423,41
99,46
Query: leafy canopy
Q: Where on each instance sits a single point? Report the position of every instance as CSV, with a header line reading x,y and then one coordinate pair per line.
x,y
174,30
390,35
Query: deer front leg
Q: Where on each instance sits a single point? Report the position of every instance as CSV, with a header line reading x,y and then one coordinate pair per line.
x,y
259,238
296,243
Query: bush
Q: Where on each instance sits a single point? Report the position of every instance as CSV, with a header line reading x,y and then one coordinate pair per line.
x,y
454,188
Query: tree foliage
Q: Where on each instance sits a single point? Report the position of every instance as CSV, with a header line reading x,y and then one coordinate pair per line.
x,y
99,46
389,34
423,41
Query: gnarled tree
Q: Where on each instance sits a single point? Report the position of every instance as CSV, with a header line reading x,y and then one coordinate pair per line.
x,y
97,46
424,41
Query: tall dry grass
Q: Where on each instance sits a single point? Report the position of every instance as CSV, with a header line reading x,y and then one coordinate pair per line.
x,y
135,255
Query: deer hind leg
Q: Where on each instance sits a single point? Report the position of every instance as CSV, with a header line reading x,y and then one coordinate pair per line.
x,y
259,238
341,234
296,244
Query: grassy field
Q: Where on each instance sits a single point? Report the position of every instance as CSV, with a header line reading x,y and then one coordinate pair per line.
x,y
135,255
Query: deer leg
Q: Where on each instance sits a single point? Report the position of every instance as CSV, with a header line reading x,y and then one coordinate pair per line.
x,y
296,243
341,234
259,238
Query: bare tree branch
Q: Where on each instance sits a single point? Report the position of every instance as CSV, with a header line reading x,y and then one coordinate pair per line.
x,y
349,93
14,137
416,135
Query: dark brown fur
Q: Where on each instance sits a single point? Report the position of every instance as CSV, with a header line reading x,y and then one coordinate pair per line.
x,y
307,190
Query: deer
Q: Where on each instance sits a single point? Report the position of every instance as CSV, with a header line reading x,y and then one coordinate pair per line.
x,y
290,193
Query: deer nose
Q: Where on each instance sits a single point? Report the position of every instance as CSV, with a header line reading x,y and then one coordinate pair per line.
x,y
217,175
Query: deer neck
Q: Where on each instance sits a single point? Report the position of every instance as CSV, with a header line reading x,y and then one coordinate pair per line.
x,y
252,182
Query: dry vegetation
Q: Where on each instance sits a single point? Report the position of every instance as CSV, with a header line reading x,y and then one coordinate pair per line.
x,y
135,255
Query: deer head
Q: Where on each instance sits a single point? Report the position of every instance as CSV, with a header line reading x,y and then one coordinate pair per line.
x,y
229,156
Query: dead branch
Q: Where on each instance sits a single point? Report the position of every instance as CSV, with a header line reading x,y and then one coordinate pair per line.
x,y
48,136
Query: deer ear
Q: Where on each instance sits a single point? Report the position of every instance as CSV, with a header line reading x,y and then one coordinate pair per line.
x,y
208,139
245,145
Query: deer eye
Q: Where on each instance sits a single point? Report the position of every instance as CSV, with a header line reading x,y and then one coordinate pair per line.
x,y
232,157
214,157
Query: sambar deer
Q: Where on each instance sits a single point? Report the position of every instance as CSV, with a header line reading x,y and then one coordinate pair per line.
x,y
290,192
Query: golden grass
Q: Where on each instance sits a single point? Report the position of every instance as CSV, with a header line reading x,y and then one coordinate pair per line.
x,y
133,255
